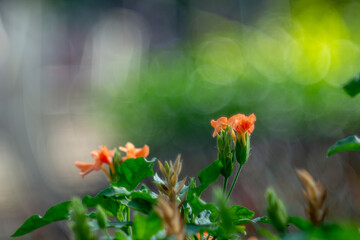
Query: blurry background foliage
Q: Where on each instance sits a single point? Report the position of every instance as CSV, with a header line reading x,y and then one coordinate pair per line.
x,y
76,74
287,66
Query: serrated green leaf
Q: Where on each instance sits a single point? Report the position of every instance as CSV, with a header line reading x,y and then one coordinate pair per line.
x,y
208,175
239,212
352,87
132,172
58,212
145,227
351,143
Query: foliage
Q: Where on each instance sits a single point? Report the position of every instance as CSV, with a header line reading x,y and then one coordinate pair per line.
x,y
353,86
351,143
177,211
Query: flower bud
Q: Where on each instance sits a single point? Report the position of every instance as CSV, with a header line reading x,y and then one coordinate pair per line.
x,y
78,221
101,217
116,162
276,211
242,148
225,151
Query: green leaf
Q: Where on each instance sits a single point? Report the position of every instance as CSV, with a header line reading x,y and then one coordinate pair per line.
x,y
120,235
56,213
145,227
110,199
263,219
208,175
269,235
198,206
118,224
141,200
352,87
110,205
239,212
132,172
300,223
351,143
335,232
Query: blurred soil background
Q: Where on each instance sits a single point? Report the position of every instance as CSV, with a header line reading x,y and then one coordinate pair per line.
x,y
77,74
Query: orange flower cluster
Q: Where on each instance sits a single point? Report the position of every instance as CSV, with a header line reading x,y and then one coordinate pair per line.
x,y
205,235
104,155
239,122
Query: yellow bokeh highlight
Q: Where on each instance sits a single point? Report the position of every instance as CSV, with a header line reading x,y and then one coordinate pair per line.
x,y
310,43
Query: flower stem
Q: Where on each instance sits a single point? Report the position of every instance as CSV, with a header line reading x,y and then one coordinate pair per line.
x,y
128,214
129,219
106,172
234,181
225,184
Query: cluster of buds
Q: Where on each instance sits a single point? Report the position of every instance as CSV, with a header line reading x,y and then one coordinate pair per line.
x,y
110,158
169,209
315,195
233,140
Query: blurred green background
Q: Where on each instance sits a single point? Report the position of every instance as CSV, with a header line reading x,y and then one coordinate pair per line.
x,y
79,74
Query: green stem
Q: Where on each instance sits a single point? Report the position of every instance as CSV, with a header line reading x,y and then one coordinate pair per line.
x,y
128,218
128,214
225,184
234,181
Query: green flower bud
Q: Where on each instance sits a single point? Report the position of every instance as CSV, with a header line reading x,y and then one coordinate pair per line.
x,y
78,221
276,211
242,151
101,217
116,162
226,152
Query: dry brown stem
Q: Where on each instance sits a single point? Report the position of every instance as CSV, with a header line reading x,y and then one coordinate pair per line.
x,y
169,209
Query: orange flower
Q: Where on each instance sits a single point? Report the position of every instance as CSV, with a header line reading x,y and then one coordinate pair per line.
x,y
100,156
252,238
235,119
132,152
219,124
205,235
242,124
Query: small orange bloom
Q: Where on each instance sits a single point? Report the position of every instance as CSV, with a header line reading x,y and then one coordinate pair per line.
x,y
132,152
242,123
252,238
205,234
100,156
219,124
